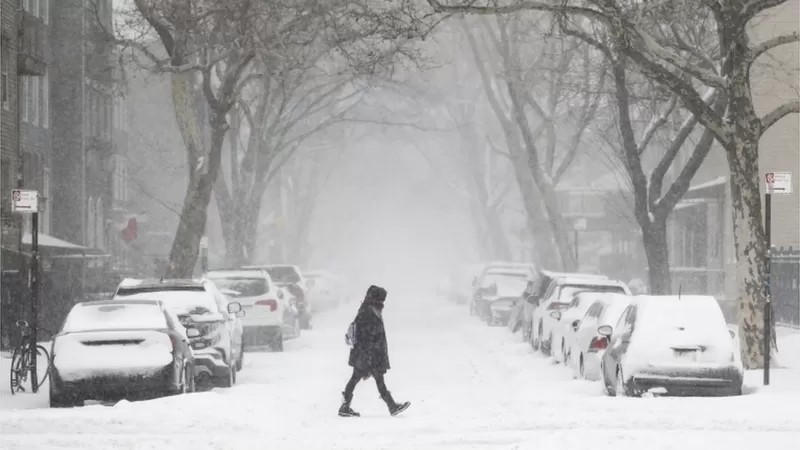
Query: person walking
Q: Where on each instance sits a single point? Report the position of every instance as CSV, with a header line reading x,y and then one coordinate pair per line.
x,y
369,355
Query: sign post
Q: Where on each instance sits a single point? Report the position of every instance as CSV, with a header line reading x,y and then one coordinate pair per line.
x,y
27,202
777,183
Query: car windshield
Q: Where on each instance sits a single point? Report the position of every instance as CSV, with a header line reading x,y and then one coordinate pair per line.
x,y
283,274
115,316
506,284
612,311
242,286
180,300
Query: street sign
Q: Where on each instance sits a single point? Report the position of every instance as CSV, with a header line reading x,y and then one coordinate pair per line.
x,y
579,224
779,182
24,201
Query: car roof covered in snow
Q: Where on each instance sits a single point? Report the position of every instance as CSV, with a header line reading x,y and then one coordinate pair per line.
x,y
697,304
237,273
552,274
117,302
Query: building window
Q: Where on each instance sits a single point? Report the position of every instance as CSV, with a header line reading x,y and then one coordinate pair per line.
x,y
46,99
90,223
100,241
34,90
44,223
24,105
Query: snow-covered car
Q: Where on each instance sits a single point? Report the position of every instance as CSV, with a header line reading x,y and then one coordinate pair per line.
x,y
198,304
325,290
119,349
541,284
479,284
567,321
291,279
270,316
498,293
587,345
558,297
676,345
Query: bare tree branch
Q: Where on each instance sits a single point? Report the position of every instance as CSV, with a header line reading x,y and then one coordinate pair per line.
x,y
778,113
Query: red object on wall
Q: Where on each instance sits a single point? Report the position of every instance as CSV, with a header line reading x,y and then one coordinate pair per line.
x,y
129,232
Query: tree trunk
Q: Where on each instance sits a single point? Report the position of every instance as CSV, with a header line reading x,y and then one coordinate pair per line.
x,y
654,238
751,248
203,170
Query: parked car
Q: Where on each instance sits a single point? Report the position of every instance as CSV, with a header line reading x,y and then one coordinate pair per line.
x,y
516,317
587,346
558,297
498,292
270,315
291,278
676,345
119,349
524,270
567,321
542,282
198,304
325,290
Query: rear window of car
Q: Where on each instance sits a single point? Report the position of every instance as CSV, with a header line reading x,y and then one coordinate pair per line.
x,y
283,274
115,316
568,291
243,286
179,299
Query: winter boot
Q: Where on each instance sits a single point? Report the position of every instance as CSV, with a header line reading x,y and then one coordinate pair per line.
x,y
345,410
394,407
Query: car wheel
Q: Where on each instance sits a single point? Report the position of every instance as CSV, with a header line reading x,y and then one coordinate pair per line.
x,y
277,342
546,349
620,390
228,378
240,359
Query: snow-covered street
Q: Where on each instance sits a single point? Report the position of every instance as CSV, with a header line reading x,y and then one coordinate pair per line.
x,y
471,386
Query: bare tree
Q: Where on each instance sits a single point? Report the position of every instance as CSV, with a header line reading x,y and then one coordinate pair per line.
x,y
664,56
545,95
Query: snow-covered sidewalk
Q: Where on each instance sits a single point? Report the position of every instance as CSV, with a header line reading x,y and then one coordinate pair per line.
x,y
471,386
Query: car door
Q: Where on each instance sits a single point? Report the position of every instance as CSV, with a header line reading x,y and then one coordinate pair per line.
x,y
232,324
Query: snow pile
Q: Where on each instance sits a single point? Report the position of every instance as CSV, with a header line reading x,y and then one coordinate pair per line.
x,y
180,302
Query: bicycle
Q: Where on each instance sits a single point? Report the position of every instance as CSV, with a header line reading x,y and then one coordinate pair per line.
x,y
22,363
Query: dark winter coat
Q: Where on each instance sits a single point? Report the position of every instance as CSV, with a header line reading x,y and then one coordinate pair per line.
x,y
370,354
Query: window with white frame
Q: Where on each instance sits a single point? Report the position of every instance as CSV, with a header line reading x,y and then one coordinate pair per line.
x,y
34,89
46,100
5,88
24,102
44,223
90,223
100,228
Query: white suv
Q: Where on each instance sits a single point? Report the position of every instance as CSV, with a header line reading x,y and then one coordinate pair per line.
x,y
290,278
198,304
270,315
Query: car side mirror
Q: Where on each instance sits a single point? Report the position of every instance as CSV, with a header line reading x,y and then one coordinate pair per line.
x,y
732,333
192,332
575,324
605,330
556,315
241,314
234,307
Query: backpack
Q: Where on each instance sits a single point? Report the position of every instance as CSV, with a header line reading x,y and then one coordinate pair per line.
x,y
350,336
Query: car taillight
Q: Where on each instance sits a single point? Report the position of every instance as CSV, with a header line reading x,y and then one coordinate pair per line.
x,y
598,343
273,305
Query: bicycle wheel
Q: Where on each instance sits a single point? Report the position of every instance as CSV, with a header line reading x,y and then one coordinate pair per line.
x,y
42,366
17,372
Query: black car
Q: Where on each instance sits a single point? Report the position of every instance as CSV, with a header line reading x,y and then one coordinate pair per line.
x,y
119,349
